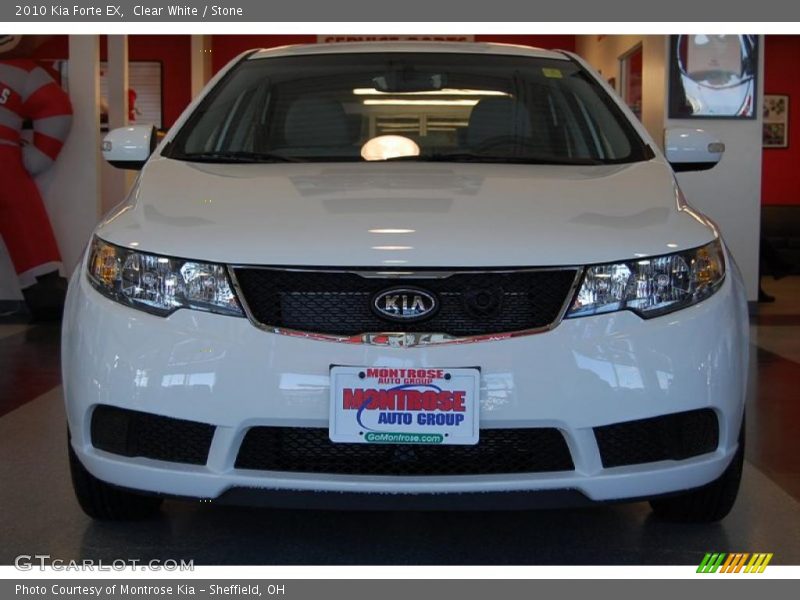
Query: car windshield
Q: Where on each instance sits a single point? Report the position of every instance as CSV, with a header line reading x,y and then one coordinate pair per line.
x,y
457,107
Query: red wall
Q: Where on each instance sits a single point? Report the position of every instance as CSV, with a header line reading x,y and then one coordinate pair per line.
x,y
780,180
226,47
172,50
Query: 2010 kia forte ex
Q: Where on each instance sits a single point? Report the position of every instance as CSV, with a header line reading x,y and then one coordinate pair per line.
x,y
407,275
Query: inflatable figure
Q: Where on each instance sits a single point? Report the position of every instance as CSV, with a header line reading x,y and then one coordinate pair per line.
x,y
28,94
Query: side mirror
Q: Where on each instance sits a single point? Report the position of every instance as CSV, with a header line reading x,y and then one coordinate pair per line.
x,y
130,147
692,149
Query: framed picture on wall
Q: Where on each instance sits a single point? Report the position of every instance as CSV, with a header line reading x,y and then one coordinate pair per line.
x,y
713,76
776,121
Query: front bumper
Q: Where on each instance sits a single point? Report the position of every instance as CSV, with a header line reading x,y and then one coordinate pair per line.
x,y
583,374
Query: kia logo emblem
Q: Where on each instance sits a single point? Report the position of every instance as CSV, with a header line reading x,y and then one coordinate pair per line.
x,y
405,304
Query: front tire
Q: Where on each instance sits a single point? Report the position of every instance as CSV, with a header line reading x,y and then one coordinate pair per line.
x,y
105,502
709,503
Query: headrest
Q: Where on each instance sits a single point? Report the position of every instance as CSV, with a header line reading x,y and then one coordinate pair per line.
x,y
316,122
497,117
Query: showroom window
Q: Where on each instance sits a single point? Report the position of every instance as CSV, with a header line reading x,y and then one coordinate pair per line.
x,y
631,75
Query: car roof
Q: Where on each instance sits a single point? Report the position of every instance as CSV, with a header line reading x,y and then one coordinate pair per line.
x,y
387,46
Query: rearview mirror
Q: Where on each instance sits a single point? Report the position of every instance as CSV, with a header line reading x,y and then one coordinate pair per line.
x,y
409,81
130,147
692,149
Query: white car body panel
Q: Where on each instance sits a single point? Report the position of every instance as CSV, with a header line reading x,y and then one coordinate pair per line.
x,y
584,373
436,47
461,214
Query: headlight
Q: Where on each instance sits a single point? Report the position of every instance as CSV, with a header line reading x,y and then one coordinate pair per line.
x,y
159,284
651,286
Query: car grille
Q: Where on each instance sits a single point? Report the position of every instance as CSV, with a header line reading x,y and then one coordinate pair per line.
x,y
134,433
309,450
340,303
671,437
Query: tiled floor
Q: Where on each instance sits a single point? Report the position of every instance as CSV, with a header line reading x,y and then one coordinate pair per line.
x,y
29,363
775,447
39,514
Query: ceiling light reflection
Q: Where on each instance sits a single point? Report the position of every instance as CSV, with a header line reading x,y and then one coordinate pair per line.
x,y
399,102
385,147
442,92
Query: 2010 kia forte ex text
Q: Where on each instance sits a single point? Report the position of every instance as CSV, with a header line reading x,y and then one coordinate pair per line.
x,y
411,275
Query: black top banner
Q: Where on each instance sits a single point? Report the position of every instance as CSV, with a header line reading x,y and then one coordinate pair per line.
x,y
451,11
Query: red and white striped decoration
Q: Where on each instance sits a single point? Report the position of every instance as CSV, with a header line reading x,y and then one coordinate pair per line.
x,y
27,91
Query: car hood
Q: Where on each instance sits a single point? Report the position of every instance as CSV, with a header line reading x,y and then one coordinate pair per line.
x,y
453,214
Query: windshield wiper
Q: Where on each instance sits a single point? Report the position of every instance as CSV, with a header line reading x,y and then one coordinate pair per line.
x,y
490,158
236,156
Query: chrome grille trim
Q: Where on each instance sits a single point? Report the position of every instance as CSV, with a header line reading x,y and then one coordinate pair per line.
x,y
399,339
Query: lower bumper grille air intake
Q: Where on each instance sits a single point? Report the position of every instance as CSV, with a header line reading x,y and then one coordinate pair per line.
x,y
670,437
133,433
308,450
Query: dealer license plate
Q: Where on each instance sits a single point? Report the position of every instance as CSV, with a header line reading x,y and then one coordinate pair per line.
x,y
376,405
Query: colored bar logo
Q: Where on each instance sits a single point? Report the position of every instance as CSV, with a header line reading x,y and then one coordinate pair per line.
x,y
736,562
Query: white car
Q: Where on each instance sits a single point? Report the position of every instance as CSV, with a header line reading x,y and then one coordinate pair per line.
x,y
412,275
